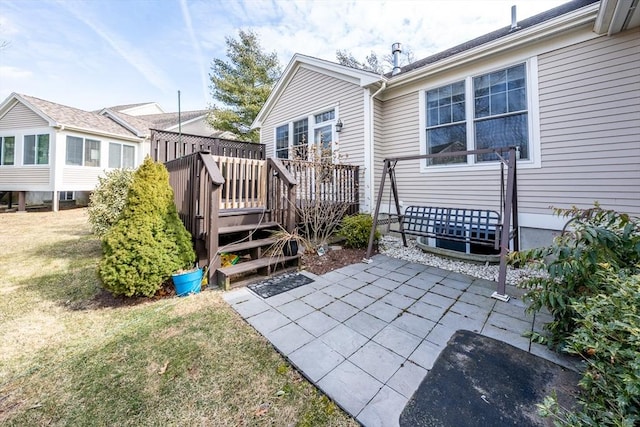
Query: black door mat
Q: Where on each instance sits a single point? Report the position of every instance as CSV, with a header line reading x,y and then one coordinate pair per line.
x,y
279,284
479,381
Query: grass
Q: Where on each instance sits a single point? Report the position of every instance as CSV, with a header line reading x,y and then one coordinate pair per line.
x,y
73,356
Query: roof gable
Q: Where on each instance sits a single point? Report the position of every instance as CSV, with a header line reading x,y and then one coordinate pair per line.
x,y
362,78
63,116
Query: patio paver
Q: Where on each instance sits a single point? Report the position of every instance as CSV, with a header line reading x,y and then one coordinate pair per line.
x,y
367,334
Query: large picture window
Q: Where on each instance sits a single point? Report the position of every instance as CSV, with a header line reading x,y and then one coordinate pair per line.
x,y
7,150
36,149
497,117
294,140
82,152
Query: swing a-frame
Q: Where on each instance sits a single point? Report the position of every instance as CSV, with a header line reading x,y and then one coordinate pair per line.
x,y
471,226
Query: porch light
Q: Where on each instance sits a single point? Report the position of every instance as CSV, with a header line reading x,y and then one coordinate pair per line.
x,y
339,126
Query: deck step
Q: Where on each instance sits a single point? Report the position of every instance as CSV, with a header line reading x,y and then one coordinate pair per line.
x,y
249,244
247,227
264,266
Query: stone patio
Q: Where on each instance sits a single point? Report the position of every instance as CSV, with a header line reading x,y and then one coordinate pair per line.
x,y
367,334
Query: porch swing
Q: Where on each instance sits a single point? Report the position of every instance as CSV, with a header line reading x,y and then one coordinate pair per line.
x,y
464,225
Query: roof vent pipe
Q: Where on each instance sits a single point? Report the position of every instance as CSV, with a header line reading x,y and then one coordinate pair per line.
x,y
396,50
514,20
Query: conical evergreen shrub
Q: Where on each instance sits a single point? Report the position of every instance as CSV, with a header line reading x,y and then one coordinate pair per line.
x,y
149,242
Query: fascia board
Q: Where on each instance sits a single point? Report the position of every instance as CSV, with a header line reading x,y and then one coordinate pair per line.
x,y
122,122
605,15
510,42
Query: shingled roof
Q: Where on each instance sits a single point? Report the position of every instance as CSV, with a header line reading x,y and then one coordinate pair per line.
x,y
167,120
502,32
74,117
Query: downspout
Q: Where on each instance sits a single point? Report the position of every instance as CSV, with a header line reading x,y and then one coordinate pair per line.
x,y
370,160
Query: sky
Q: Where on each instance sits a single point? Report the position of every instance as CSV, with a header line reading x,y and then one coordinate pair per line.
x,y
98,53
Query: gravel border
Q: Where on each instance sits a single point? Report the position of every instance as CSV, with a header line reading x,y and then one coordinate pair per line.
x,y
392,246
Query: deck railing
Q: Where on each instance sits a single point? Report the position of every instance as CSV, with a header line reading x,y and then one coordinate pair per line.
x,y
245,182
281,194
330,182
167,146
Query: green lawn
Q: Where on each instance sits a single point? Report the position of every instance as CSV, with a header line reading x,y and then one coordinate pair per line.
x,y
70,356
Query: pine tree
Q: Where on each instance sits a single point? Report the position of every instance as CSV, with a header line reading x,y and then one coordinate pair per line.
x,y
242,84
149,242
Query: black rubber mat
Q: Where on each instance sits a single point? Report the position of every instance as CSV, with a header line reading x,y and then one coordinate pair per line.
x,y
279,284
479,381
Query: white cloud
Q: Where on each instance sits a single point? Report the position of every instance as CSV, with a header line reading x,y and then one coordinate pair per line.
x,y
9,72
125,49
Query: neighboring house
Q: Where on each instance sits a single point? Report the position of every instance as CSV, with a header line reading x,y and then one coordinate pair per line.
x,y
52,153
563,86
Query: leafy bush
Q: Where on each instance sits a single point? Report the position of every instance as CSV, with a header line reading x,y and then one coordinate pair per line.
x,y
149,242
608,336
598,237
108,200
356,230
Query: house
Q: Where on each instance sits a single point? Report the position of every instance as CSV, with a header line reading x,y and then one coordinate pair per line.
x,y
563,86
52,153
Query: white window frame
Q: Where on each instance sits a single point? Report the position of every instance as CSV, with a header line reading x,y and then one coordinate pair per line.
x,y
533,117
63,196
3,150
121,156
37,141
312,126
84,149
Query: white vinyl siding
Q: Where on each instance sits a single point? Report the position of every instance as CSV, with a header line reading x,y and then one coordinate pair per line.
x,y
20,116
310,92
589,129
590,126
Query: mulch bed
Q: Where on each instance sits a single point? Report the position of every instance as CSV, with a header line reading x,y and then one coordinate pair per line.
x,y
331,260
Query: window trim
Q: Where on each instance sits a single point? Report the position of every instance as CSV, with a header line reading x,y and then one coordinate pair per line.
x,y
533,119
311,128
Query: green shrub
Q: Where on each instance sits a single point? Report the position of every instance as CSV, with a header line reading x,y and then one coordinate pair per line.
x,y
607,334
108,200
356,230
149,242
598,237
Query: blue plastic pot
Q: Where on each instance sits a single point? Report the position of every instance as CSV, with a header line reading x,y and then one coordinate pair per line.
x,y
187,283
